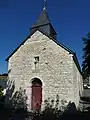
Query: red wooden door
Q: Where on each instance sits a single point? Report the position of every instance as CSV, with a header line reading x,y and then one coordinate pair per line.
x,y
36,96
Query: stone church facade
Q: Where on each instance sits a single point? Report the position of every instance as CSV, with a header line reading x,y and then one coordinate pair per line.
x,y
44,67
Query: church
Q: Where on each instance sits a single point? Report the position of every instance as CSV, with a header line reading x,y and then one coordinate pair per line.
x,y
45,67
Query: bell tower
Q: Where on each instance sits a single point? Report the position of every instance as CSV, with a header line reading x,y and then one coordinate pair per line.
x,y
43,23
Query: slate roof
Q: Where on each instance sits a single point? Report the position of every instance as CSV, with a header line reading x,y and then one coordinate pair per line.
x,y
43,22
43,19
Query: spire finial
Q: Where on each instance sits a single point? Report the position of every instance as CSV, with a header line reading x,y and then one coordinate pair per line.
x,y
44,5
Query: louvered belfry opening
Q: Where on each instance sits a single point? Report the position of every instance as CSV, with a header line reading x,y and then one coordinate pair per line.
x,y
36,97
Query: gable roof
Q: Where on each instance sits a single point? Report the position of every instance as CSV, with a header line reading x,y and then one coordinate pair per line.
x,y
43,32
57,42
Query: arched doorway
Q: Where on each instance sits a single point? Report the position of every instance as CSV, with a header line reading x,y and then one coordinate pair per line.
x,y
36,97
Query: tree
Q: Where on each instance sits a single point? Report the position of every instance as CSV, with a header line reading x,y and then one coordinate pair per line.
x,y
2,97
1,91
86,57
19,100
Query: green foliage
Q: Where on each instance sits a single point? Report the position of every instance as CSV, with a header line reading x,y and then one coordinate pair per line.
x,y
53,110
86,56
19,100
1,92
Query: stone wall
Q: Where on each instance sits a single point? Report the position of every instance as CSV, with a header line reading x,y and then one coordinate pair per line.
x,y
78,84
55,69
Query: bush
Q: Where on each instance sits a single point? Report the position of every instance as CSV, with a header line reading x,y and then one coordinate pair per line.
x,y
53,111
19,100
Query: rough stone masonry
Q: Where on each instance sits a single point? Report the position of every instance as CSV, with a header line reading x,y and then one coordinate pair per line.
x,y
56,69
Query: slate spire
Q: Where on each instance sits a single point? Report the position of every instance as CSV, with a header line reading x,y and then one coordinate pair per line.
x,y
43,23
44,5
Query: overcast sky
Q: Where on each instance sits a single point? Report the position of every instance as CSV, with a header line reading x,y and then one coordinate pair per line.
x,y
70,18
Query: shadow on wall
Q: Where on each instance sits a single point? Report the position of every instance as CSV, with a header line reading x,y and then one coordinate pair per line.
x,y
17,107
10,88
62,105
55,113
9,93
71,108
19,100
51,111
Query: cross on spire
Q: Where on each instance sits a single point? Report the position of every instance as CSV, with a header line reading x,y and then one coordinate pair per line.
x,y
44,5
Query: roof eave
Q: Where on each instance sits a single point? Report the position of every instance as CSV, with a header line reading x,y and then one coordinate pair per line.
x,y
17,48
77,63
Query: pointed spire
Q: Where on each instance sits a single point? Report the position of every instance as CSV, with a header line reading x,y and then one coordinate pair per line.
x,y
43,23
44,5
43,18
